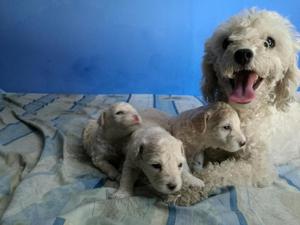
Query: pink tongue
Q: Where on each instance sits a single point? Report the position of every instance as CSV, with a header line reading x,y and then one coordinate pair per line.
x,y
243,91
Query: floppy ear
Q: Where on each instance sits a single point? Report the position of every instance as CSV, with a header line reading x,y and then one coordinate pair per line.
x,y
182,149
286,88
199,121
136,146
210,85
140,151
101,119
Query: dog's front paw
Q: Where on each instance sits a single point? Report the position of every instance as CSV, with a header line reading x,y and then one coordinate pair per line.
x,y
196,182
120,194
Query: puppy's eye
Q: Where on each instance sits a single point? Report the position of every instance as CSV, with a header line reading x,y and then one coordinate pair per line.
x,y
120,113
156,166
269,42
227,127
180,165
225,43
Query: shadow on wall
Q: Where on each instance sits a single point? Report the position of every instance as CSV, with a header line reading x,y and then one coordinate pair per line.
x,y
105,46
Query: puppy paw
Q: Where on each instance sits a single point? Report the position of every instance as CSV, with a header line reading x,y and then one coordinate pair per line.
x,y
196,182
120,194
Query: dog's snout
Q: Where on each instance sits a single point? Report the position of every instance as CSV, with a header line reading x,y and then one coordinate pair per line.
x,y
242,143
171,186
243,56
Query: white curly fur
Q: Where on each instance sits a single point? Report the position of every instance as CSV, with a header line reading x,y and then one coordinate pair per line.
x,y
270,118
270,121
105,139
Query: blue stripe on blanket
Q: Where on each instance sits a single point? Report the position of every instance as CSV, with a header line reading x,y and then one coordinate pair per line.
x,y
290,173
82,102
290,182
59,221
129,97
234,206
13,132
100,183
200,99
172,214
34,106
175,108
154,101
92,183
164,104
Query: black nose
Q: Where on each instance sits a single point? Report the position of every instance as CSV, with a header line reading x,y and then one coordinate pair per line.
x,y
242,143
171,186
243,56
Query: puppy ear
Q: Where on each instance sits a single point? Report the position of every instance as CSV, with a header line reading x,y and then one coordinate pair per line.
x,y
199,121
182,149
210,85
101,119
135,148
140,151
286,88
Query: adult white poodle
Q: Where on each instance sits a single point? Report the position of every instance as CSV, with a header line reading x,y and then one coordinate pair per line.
x,y
251,62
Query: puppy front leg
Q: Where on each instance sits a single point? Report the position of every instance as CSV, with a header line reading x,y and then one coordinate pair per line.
x,y
107,168
128,178
189,179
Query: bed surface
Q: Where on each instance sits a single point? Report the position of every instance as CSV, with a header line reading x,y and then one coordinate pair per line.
x,y
46,179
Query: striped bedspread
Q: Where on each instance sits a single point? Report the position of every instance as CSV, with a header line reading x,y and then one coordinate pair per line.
x,y
46,179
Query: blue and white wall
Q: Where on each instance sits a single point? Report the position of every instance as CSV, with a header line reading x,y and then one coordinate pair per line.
x,y
110,46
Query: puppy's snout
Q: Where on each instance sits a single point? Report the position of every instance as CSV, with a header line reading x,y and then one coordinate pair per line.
x,y
242,143
171,186
243,56
136,118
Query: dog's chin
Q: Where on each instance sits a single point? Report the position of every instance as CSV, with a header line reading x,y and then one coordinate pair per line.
x,y
243,86
233,150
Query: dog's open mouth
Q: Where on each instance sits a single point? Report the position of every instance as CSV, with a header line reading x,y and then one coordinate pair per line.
x,y
244,84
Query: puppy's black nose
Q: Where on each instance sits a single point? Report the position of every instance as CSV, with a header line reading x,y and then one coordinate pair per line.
x,y
171,186
243,56
242,143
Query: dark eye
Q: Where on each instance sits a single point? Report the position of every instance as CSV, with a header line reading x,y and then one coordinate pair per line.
x,y
226,42
269,42
120,113
227,127
180,165
156,166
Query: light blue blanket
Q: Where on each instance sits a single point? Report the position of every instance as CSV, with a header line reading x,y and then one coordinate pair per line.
x,y
46,179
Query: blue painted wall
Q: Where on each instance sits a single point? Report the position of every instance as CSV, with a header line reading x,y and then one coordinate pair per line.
x,y
110,46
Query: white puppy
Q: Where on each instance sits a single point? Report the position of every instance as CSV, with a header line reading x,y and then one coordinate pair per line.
x,y
104,139
215,126
158,155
